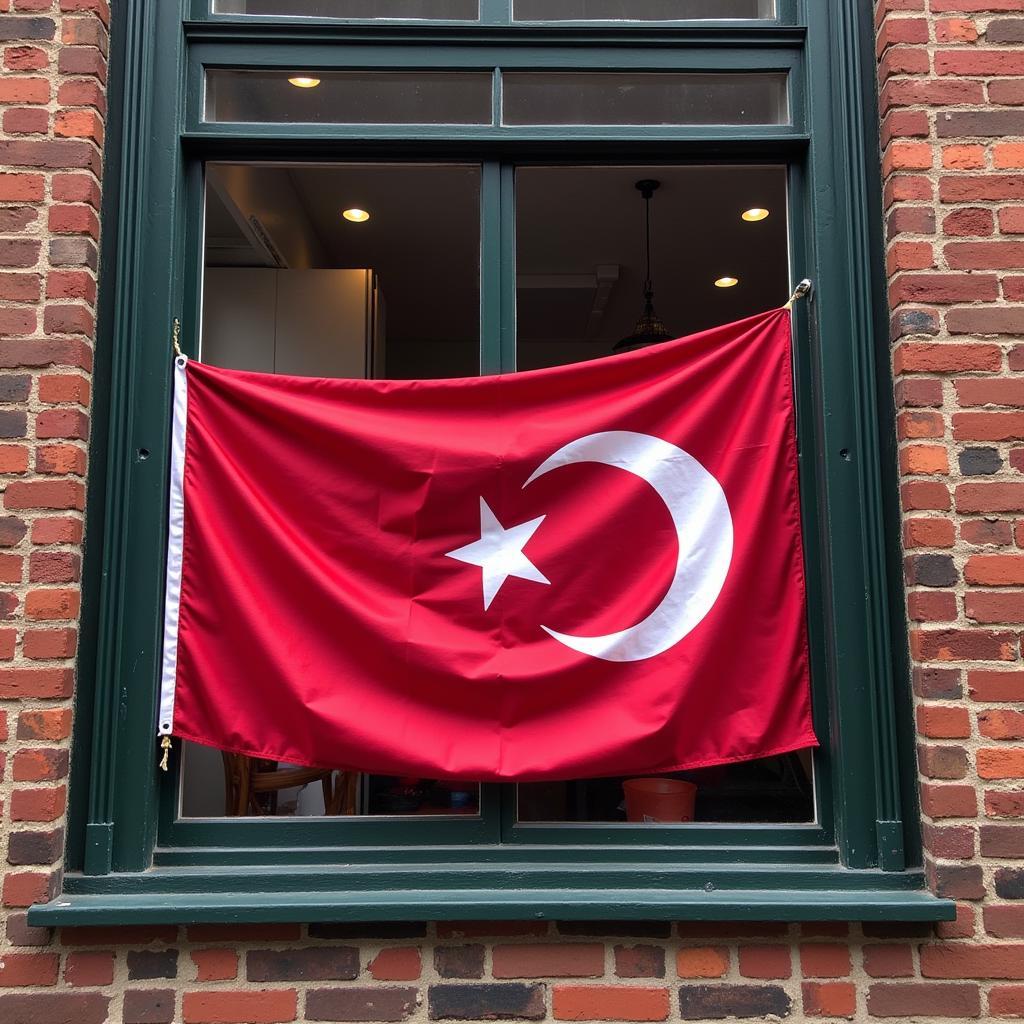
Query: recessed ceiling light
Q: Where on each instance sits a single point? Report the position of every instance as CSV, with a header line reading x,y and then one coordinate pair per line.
x,y
727,282
755,214
300,82
355,215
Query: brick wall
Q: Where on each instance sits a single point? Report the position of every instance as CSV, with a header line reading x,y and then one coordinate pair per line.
x,y
952,89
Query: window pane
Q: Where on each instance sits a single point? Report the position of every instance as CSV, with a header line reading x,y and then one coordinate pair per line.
x,y
291,286
774,789
644,99
434,10
580,273
640,10
349,97
581,254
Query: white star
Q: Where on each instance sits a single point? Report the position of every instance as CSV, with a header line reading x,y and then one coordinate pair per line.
x,y
499,552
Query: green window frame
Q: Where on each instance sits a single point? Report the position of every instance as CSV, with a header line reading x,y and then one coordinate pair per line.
x,y
129,856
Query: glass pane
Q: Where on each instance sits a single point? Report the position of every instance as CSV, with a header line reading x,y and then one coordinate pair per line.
x,y
581,253
581,269
641,10
349,97
292,286
433,10
555,97
774,789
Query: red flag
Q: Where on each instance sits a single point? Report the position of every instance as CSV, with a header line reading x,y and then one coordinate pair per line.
x,y
589,570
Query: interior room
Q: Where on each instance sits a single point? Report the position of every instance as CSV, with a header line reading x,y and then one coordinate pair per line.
x,y
373,270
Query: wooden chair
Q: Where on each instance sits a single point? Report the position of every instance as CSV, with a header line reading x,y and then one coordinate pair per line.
x,y
247,779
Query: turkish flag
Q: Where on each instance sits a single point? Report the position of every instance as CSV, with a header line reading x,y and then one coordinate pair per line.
x,y
588,570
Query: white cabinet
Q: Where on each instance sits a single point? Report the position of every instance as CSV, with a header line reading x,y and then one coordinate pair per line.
x,y
312,323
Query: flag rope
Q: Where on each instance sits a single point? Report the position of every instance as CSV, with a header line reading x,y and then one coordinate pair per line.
x,y
802,289
175,336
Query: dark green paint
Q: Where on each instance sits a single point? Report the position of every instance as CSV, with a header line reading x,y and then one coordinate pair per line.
x,y
225,870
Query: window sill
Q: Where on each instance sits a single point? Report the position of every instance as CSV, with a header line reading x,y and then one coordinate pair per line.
x,y
187,896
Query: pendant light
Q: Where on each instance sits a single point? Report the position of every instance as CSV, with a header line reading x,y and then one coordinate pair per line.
x,y
649,329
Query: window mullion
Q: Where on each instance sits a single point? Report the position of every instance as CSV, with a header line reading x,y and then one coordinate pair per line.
x,y
495,12
490,267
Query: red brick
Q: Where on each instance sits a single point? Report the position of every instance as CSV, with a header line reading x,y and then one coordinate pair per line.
x,y
1001,724
53,604
946,289
24,90
39,765
955,30
215,964
1004,805
89,968
22,969
928,533
989,608
40,683
992,687
60,459
918,392
270,1006
824,960
923,495
396,964
609,1002
988,426
957,960
765,962
21,187
58,530
975,391
993,570
1006,1001
916,424
569,960
829,999
639,961
79,124
930,606
76,188
1005,842
23,888
963,645
949,801
983,320
988,498
949,842
983,531
55,494
702,961
963,158
916,998
47,644
26,121
939,722
1005,921
970,221
980,188
910,256
1000,763
50,724
960,928
984,255
978,62
924,460
38,804
889,960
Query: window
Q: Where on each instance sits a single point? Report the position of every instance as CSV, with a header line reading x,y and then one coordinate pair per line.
x,y
514,152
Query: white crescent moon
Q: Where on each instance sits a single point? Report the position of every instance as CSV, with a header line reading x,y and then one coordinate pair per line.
x,y
700,513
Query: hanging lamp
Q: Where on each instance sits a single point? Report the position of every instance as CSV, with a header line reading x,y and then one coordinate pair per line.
x,y
650,328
